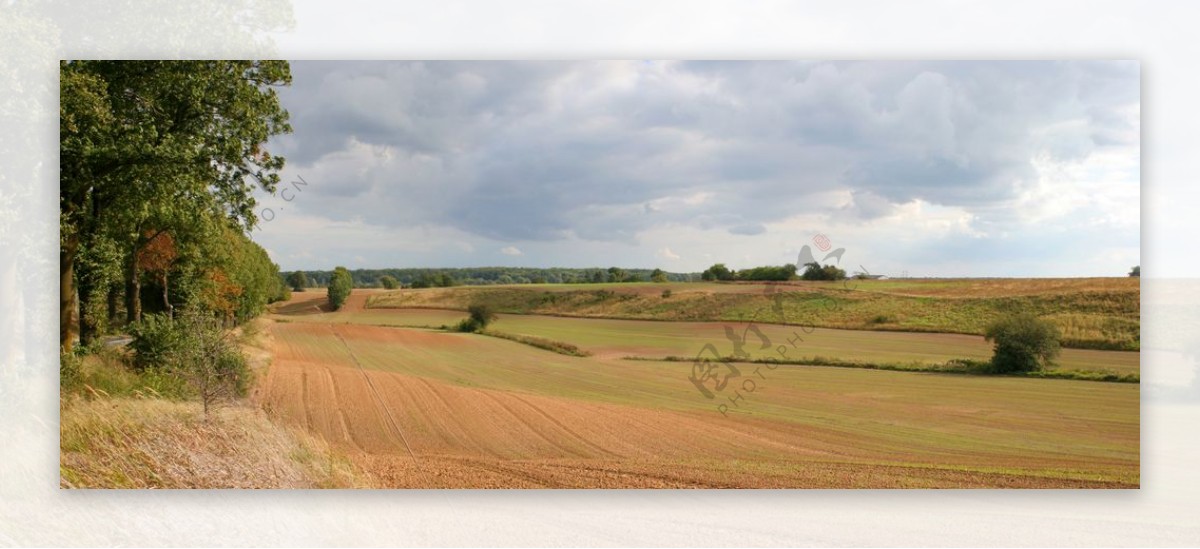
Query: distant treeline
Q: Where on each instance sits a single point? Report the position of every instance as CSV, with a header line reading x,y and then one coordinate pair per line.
x,y
475,276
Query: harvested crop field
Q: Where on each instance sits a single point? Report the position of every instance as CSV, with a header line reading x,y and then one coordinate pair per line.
x,y
421,408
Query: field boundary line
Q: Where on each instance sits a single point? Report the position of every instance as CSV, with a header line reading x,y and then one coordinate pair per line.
x,y
375,393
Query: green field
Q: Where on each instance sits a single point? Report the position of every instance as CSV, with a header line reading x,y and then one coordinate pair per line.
x,y
1044,431
614,338
1100,313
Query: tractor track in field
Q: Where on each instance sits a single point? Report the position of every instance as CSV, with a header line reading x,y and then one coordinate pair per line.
x,y
375,393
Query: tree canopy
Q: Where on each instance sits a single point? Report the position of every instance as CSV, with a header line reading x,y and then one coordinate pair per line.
x,y
814,271
298,281
160,157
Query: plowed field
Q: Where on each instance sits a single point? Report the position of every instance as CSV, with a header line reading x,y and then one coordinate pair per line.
x,y
419,408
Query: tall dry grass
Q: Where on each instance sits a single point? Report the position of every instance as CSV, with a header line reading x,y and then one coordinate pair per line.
x,y
155,443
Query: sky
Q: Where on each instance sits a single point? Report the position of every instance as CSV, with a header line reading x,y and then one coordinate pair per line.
x,y
940,169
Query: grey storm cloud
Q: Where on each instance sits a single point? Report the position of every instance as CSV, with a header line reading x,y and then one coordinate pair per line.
x,y
543,151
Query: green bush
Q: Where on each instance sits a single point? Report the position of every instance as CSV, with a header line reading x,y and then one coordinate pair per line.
x,y
467,325
156,340
388,282
666,294
1023,343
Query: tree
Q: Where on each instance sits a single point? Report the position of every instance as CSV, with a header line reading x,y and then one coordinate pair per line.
x,y
339,287
388,282
194,348
209,360
1136,271
657,275
814,271
717,272
479,316
1023,343
785,272
151,144
298,281
482,314
617,274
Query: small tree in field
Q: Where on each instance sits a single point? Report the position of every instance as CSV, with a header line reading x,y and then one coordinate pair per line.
x,y
1023,343
388,282
340,285
480,315
298,281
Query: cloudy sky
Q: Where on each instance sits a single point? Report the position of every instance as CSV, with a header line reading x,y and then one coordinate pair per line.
x,y
929,169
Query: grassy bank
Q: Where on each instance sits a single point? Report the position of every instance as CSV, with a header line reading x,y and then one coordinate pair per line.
x,y
155,443
123,428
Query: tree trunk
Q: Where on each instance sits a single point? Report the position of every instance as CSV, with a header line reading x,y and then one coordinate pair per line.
x,y
133,289
112,305
87,322
66,291
167,296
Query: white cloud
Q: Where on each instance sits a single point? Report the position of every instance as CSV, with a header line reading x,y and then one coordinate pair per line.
x,y
510,250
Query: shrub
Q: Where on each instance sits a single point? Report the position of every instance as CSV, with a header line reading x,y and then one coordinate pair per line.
x,y
156,340
666,294
194,349
388,282
1023,343
467,325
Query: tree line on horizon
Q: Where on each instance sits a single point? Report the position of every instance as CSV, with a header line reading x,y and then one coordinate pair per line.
x,y
479,276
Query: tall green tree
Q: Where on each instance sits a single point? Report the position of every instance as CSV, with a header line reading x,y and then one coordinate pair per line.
x,y
148,133
340,285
